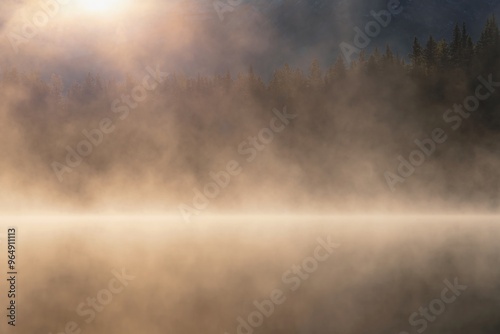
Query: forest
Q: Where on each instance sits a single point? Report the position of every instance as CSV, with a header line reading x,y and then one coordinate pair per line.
x,y
353,121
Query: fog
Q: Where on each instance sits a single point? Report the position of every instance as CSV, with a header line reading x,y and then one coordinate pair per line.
x,y
176,161
202,277
346,133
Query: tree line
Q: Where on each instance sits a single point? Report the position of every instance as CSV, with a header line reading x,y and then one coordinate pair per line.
x,y
353,120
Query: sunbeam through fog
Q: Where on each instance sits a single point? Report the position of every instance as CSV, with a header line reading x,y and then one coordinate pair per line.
x,y
249,166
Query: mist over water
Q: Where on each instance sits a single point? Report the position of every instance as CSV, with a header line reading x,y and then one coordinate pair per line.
x,y
204,276
170,169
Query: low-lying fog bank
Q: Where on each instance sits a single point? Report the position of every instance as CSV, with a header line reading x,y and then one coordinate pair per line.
x,y
244,277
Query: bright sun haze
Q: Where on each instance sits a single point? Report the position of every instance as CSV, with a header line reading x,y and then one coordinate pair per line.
x,y
100,6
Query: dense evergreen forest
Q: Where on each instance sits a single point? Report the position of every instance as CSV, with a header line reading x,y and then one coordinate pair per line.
x,y
353,121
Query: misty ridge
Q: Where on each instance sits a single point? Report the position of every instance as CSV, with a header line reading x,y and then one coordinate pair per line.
x,y
352,123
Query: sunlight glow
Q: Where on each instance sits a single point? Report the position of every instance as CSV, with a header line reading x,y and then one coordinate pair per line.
x,y
100,6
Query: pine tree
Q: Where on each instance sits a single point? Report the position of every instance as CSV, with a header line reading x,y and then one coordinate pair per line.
x,y
254,83
465,35
443,51
90,87
372,66
488,46
456,47
376,55
373,63
431,54
227,81
315,79
282,81
467,49
337,72
75,92
417,56
251,75
388,57
360,63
